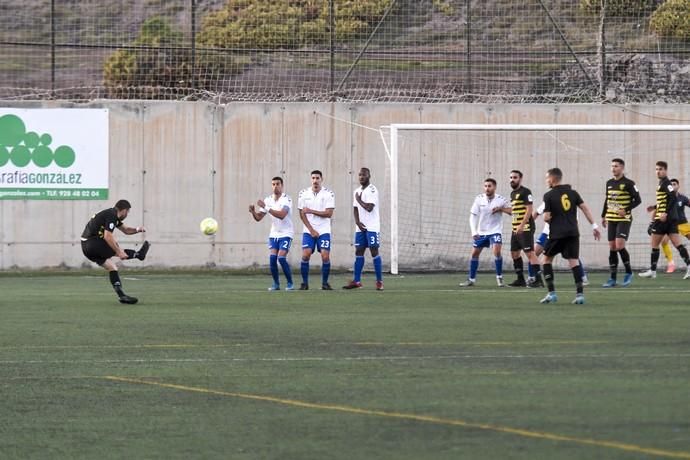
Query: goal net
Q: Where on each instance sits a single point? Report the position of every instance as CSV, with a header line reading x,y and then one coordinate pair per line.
x,y
436,171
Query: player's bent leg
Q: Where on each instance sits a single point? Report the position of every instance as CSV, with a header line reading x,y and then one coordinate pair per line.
x,y
143,250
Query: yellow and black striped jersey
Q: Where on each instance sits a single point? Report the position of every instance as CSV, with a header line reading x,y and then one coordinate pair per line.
x,y
665,199
621,194
520,198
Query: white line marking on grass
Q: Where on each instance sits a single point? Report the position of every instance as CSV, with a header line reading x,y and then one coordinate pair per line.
x,y
323,344
414,417
346,358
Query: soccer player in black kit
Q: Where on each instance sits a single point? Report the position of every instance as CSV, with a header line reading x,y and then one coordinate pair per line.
x,y
522,237
98,244
561,204
665,221
622,197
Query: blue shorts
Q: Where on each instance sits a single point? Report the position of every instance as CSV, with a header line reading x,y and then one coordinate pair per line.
x,y
281,244
367,240
484,241
541,241
321,243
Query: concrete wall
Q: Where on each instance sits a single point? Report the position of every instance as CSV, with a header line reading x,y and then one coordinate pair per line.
x,y
178,162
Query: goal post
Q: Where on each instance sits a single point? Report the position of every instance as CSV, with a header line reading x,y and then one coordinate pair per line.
x,y
452,161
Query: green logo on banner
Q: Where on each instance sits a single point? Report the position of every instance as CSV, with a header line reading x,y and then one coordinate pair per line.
x,y
21,147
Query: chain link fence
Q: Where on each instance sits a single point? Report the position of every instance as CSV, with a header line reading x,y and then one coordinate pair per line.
x,y
347,50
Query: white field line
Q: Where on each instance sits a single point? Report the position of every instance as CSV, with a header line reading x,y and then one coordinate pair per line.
x,y
291,359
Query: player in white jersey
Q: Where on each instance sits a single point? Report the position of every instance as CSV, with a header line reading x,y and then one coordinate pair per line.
x,y
316,205
279,206
367,226
486,224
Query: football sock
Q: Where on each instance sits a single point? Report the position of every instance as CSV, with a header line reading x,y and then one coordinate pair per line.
x,y
683,253
359,266
577,274
537,272
115,281
625,257
286,268
131,253
530,269
582,269
655,258
498,261
548,277
474,266
304,268
667,251
273,263
378,268
325,271
613,263
517,264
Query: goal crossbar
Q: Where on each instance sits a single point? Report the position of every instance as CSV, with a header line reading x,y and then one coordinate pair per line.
x,y
393,154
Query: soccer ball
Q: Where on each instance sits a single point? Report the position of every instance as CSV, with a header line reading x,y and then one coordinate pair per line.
x,y
209,226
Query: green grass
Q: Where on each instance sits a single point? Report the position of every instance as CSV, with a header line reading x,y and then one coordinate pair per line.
x,y
210,366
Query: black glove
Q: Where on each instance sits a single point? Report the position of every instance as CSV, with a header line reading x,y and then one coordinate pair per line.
x,y
650,227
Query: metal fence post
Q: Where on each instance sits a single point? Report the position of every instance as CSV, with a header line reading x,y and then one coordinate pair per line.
x,y
193,25
331,14
52,46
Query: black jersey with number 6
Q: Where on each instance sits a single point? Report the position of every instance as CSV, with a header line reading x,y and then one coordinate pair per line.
x,y
562,202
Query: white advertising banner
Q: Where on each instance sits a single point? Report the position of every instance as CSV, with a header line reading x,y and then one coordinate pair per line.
x,y
53,154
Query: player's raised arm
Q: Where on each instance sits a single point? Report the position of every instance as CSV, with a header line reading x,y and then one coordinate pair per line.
x,y
130,230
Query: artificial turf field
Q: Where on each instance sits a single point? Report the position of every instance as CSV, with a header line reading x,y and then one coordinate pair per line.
x,y
212,365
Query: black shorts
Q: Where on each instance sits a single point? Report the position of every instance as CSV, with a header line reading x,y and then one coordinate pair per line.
x,y
568,247
97,250
522,241
664,228
618,229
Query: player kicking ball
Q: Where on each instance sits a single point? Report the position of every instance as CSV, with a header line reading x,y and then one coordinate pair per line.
x,y
99,244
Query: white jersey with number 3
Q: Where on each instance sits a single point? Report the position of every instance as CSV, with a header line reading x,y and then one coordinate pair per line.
x,y
321,201
280,228
371,219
